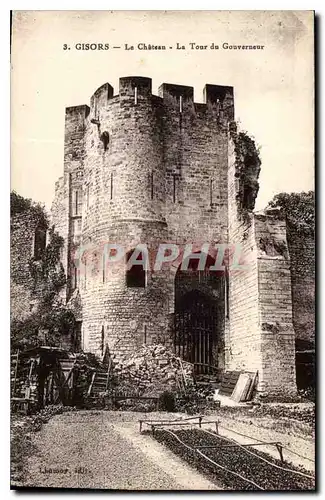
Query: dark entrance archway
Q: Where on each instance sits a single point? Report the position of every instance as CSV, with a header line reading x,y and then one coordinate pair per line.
x,y
195,329
199,316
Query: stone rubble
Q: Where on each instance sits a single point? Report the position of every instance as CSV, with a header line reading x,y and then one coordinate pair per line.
x,y
152,370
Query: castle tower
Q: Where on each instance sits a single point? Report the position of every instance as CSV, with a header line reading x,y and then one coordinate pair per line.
x,y
124,186
141,170
145,169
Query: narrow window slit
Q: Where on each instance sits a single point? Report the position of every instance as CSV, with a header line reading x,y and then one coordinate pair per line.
x,y
135,95
77,202
96,110
75,278
174,188
211,192
102,340
181,104
151,183
104,263
111,194
227,292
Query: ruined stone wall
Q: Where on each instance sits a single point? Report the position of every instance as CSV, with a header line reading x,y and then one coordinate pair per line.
x,y
275,305
60,214
62,211
301,247
243,345
261,335
22,294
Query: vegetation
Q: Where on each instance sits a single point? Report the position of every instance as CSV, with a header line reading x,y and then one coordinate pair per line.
x,y
298,209
247,169
167,401
52,318
246,150
19,204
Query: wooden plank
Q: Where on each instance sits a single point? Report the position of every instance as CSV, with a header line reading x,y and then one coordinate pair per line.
x,y
69,373
241,387
110,363
228,383
120,398
251,388
91,383
244,396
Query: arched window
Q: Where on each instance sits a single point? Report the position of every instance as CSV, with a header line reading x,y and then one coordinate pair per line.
x,y
136,273
105,139
39,242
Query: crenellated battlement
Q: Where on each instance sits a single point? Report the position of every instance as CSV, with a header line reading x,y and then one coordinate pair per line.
x,y
101,97
172,90
218,99
129,85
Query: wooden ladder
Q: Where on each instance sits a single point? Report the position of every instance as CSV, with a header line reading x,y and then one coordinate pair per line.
x,y
99,380
14,371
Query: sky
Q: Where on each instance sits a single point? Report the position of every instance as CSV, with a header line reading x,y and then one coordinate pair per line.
x,y
273,87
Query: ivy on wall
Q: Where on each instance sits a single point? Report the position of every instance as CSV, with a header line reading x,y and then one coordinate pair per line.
x,y
247,169
51,319
19,205
298,209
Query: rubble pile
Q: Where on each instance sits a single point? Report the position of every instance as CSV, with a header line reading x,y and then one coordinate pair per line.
x,y
152,370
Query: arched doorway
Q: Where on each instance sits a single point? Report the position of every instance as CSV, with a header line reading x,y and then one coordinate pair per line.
x,y
195,329
199,316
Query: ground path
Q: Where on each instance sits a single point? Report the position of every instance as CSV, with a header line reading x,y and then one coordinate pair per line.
x,y
104,450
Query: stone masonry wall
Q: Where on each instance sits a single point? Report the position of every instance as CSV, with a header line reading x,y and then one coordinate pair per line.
x,y
61,210
302,256
243,346
275,304
128,317
124,198
261,335
22,296
195,155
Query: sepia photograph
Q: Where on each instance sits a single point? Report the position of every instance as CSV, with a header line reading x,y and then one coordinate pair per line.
x,y
162,250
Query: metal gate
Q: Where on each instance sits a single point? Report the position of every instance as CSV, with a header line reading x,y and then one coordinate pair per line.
x,y
195,329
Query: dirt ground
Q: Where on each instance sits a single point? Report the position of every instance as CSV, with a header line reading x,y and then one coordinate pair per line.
x,y
104,449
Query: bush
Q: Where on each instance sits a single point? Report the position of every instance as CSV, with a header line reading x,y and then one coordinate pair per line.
x,y
167,401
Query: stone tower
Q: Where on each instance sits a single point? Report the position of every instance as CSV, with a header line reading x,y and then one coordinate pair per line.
x,y
141,169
